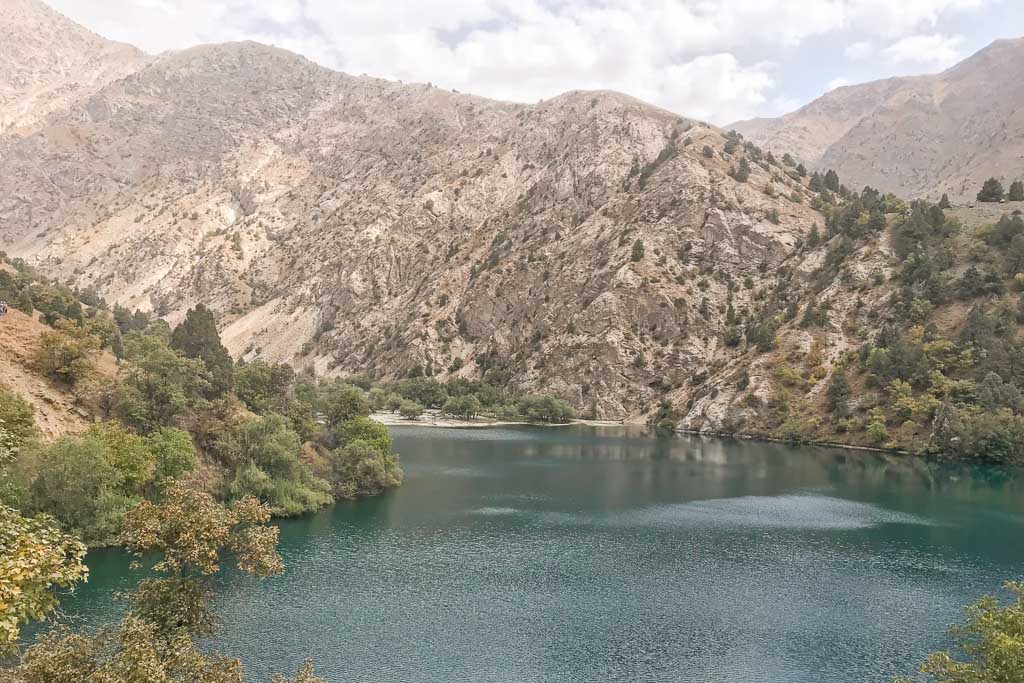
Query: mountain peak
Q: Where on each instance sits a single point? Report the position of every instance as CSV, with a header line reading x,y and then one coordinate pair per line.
x,y
918,136
49,61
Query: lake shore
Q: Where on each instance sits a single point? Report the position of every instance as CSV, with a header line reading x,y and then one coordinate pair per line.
x,y
433,418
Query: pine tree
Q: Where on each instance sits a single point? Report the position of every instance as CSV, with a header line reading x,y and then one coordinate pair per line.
x,y
832,180
638,251
1016,193
742,172
197,337
837,394
991,191
817,183
814,237
801,170
944,202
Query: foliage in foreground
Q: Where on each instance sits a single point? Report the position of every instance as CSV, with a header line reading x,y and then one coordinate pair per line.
x,y
154,643
992,640
35,558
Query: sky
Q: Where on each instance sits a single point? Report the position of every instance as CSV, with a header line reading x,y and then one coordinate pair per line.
x,y
714,60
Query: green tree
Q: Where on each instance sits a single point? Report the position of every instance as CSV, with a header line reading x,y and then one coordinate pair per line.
x,y
541,408
991,191
17,415
266,457
638,251
24,301
173,452
837,394
410,410
831,180
263,386
742,172
65,354
462,406
1016,193
944,202
197,337
36,559
342,402
193,536
992,641
77,484
363,468
158,383
127,452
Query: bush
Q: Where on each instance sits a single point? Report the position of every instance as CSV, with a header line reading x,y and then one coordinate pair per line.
x,y
410,410
638,251
158,383
78,485
16,416
265,454
545,409
173,453
65,354
462,406
362,468
991,191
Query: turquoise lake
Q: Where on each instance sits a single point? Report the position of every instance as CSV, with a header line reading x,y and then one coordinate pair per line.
x,y
617,554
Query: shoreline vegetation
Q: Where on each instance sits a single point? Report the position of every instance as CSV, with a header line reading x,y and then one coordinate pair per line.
x,y
437,418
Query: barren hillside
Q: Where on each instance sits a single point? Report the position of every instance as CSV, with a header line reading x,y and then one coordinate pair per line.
x,y
351,223
48,63
57,411
918,137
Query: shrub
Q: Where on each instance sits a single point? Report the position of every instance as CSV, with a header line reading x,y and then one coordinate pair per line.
x,y
991,191
410,410
361,468
65,353
543,408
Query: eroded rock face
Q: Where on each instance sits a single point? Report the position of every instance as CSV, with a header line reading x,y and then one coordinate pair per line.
x,y
919,136
588,243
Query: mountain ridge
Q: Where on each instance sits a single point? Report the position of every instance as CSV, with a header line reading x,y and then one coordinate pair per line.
x,y
918,136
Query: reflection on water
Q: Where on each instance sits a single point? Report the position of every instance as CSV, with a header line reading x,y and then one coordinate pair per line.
x,y
613,554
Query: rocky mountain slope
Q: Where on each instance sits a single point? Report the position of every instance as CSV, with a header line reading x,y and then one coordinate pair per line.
x,y
350,223
917,137
57,409
48,62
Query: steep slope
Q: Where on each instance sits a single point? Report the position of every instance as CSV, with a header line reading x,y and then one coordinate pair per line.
x,y
48,62
350,223
57,411
918,137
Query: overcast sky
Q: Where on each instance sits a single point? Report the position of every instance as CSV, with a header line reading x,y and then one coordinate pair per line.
x,y
716,60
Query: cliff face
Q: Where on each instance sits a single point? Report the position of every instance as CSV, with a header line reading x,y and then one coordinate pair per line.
x,y
351,223
48,63
917,137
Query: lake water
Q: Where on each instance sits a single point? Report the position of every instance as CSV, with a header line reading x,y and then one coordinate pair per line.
x,y
612,554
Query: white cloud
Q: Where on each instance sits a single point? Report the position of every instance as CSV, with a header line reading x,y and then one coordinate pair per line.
x,y
860,50
932,51
837,83
705,58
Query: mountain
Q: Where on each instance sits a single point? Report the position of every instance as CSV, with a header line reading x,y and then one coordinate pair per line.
x,y
637,264
919,136
48,62
349,224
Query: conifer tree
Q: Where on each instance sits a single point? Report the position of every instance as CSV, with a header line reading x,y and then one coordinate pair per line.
x,y
197,337
1016,193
